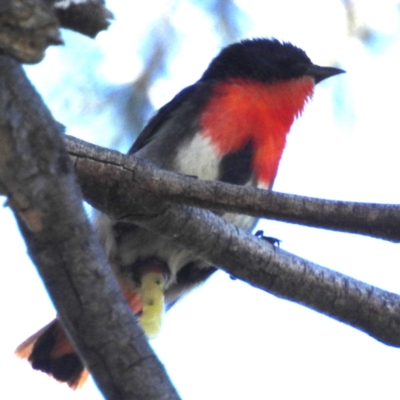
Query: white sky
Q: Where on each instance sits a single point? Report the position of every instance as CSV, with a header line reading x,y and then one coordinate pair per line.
x,y
226,339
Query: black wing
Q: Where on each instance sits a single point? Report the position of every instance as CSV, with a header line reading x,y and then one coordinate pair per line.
x,y
161,116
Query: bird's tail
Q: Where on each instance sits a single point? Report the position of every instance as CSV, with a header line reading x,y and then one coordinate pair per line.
x,y
50,351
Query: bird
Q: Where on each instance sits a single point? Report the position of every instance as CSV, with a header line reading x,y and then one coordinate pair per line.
x,y
231,126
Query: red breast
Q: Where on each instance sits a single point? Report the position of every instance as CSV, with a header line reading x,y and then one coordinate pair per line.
x,y
262,113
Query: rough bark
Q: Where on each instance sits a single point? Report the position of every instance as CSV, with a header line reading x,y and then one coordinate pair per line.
x,y
376,220
28,27
42,191
119,186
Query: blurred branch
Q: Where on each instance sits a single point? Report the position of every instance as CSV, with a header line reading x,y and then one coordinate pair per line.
x,y
226,14
125,187
356,27
156,49
42,191
138,91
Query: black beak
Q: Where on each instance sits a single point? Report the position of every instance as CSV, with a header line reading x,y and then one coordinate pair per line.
x,y
321,73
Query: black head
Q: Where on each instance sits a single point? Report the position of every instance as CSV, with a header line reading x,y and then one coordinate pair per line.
x,y
266,60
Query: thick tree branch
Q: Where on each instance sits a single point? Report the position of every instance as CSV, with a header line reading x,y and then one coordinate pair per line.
x,y
42,191
376,220
118,187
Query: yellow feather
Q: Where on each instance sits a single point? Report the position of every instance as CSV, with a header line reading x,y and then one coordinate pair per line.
x,y
152,289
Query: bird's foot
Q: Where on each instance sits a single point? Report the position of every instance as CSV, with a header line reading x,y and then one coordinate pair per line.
x,y
274,241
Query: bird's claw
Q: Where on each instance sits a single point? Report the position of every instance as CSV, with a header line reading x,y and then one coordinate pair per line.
x,y
272,240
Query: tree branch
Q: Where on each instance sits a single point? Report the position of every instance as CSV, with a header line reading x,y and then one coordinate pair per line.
x,y
42,191
117,185
28,27
376,220
88,17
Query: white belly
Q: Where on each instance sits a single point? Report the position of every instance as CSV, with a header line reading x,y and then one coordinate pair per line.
x,y
198,158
